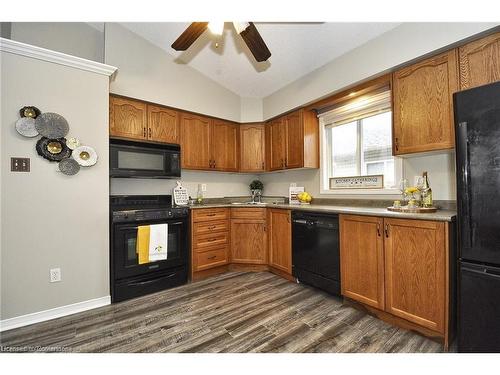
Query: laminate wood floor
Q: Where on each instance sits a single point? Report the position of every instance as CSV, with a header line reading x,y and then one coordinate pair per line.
x,y
233,312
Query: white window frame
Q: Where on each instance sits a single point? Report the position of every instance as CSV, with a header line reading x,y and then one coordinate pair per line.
x,y
324,178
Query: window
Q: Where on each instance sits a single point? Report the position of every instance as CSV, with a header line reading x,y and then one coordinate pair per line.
x,y
357,141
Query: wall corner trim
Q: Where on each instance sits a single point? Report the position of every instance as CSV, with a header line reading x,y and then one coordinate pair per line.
x,y
23,49
58,312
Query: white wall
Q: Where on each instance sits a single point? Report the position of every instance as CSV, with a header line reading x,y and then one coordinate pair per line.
x,y
149,73
218,184
251,110
49,219
73,38
441,170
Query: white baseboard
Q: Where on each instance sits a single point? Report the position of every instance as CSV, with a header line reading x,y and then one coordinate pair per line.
x,y
41,316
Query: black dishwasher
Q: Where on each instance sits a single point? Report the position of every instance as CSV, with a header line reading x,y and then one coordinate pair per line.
x,y
315,250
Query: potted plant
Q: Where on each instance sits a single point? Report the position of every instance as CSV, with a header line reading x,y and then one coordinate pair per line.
x,y
256,188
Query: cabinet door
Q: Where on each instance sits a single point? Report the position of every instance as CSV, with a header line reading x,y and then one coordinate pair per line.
x,y
415,253
362,259
276,131
248,241
423,105
252,148
280,239
163,124
294,157
127,118
224,147
195,141
480,62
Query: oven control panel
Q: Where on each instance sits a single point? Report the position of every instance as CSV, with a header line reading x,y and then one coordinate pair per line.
x,y
149,215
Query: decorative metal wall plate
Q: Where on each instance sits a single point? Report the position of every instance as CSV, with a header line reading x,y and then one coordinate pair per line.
x,y
85,156
51,125
53,149
69,166
29,111
26,127
73,143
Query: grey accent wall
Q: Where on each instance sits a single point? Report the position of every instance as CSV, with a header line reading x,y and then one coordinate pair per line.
x,y
48,219
73,38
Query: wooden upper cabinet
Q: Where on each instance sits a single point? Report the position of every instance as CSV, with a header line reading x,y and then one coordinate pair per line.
x,y
280,239
127,118
294,157
293,141
252,148
163,124
362,259
480,62
276,144
196,132
224,147
415,271
423,105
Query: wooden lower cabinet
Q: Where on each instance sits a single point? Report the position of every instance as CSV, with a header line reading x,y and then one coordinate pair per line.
x,y
399,267
362,259
248,241
415,253
280,239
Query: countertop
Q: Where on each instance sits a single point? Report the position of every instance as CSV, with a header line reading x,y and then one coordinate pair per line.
x,y
440,215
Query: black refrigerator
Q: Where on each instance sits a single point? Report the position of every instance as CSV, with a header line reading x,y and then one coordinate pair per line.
x,y
477,132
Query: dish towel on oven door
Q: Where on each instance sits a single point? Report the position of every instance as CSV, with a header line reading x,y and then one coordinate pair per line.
x,y
158,241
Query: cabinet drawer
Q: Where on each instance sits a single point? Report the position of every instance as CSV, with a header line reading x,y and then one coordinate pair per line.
x,y
211,227
210,214
210,258
248,213
211,240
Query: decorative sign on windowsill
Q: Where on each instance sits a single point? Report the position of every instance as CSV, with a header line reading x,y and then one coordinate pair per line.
x,y
358,182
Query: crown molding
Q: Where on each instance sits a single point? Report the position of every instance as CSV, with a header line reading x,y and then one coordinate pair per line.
x,y
23,49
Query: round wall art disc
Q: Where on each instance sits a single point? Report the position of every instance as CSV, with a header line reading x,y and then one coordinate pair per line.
x,y
52,125
85,156
29,111
53,149
26,126
69,166
73,143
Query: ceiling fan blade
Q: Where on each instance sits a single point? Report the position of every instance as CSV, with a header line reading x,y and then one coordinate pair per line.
x,y
188,37
255,43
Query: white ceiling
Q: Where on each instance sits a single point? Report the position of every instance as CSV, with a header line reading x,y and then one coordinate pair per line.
x,y
297,49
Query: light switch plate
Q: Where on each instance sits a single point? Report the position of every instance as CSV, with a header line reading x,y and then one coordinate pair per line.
x,y
203,187
19,164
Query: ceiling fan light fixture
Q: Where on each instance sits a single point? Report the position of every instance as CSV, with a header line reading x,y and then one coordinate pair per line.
x,y
216,27
240,26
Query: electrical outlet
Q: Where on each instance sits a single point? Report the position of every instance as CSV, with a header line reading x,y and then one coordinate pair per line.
x,y
203,187
55,275
415,180
293,184
19,164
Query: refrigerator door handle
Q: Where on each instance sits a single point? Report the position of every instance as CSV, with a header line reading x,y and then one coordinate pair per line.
x,y
484,272
465,176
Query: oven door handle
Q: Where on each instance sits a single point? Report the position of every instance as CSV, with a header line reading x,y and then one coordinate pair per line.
x,y
151,281
137,226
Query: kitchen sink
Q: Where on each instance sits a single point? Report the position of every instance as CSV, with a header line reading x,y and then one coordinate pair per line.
x,y
245,203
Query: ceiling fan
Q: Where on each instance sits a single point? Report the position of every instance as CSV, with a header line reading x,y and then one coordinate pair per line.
x,y
247,31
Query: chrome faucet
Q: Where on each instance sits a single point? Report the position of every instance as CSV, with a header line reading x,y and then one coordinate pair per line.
x,y
256,196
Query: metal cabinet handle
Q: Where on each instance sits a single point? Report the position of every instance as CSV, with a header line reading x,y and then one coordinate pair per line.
x,y
149,132
212,239
378,229
396,143
211,227
212,257
286,163
144,132
386,230
262,165
211,214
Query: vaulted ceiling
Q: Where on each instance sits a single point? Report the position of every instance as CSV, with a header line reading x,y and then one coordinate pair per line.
x,y
297,49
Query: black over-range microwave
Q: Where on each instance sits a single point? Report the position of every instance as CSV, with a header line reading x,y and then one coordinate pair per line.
x,y
144,160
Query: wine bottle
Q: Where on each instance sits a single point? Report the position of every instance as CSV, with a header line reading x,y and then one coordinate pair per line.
x,y
426,192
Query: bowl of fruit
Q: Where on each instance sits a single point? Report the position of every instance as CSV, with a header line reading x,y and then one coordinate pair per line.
x,y
304,198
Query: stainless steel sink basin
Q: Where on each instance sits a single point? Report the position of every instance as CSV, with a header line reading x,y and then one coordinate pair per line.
x,y
245,203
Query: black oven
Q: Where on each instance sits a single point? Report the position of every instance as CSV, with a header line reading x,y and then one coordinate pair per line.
x,y
144,160
129,278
